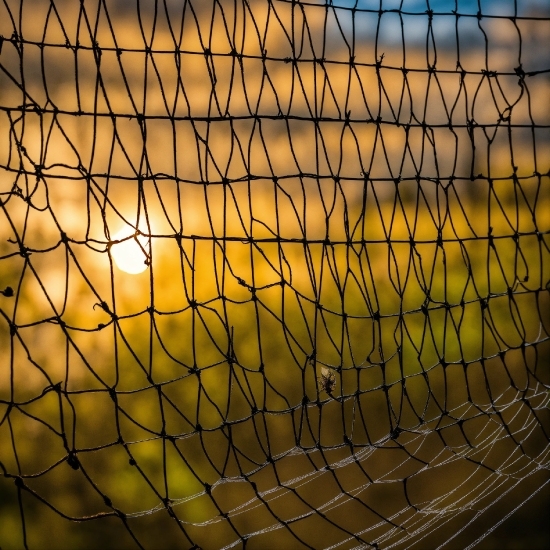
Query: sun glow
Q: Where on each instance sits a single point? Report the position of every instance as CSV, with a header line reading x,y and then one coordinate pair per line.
x,y
130,255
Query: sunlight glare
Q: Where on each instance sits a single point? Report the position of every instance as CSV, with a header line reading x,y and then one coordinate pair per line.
x,y
129,255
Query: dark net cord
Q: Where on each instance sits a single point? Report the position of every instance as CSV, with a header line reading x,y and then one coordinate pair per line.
x,y
273,273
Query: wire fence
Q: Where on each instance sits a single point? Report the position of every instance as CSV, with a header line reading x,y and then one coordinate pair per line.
x,y
273,273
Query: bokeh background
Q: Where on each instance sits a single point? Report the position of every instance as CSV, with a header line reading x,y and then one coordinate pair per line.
x,y
313,187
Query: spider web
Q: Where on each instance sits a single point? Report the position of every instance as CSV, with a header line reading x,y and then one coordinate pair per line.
x,y
339,216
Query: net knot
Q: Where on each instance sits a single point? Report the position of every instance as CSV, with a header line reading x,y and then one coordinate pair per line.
x,y
395,433
72,460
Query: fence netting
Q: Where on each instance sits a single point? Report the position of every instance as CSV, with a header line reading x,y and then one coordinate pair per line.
x,y
273,273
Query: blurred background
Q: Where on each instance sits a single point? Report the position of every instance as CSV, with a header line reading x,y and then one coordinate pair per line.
x,y
205,204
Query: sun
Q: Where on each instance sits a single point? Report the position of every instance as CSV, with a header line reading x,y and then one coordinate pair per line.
x,y
129,256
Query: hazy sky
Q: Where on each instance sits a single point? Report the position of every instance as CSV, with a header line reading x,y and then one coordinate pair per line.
x,y
489,7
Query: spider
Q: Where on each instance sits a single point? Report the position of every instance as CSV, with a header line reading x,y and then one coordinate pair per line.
x,y
327,381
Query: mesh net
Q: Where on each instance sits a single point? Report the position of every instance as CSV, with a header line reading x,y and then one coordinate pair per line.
x,y
274,273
